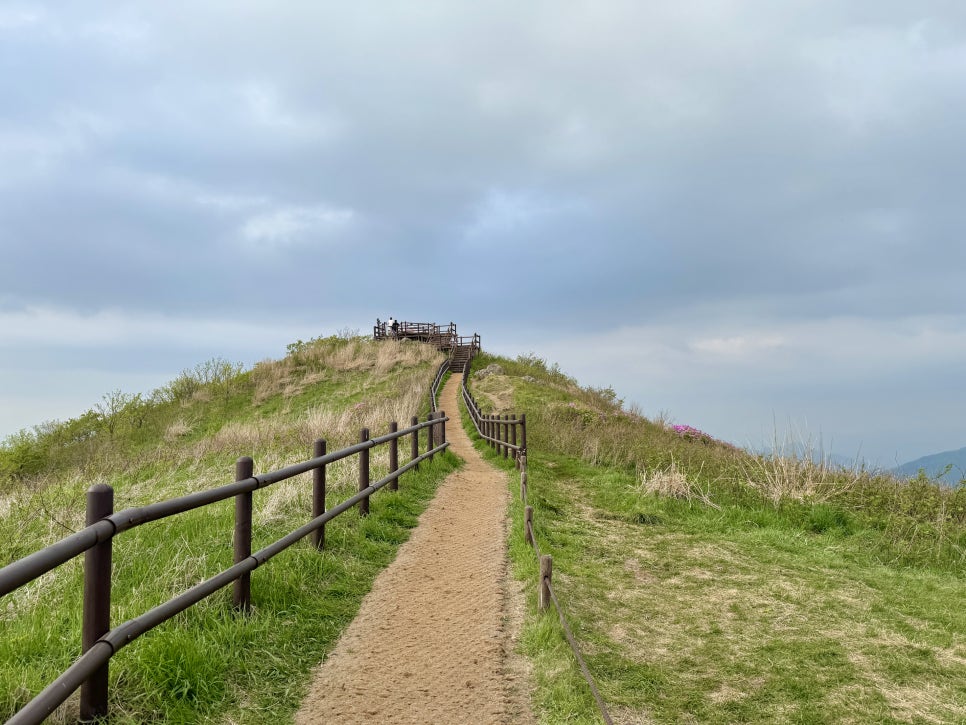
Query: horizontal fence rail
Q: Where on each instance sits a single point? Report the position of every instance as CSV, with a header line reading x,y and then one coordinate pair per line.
x,y
100,642
505,433
437,381
425,331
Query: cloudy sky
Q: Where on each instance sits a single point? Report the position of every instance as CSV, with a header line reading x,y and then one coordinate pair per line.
x,y
745,214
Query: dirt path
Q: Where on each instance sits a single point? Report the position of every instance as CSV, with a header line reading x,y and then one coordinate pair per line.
x,y
430,643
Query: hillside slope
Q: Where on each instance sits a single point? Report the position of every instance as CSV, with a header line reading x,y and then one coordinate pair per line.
x,y
708,585
209,664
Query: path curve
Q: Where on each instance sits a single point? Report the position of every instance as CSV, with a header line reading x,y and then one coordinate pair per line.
x,y
430,642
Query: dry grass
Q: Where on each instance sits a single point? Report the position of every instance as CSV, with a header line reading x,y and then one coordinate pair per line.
x,y
314,362
178,429
779,478
495,393
339,425
672,482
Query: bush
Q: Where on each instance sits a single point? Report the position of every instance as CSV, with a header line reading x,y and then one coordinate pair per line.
x,y
21,455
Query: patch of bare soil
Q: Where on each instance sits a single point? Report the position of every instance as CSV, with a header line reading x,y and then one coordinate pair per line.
x,y
433,640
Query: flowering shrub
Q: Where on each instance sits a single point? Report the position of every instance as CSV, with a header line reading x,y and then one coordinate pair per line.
x,y
686,431
691,433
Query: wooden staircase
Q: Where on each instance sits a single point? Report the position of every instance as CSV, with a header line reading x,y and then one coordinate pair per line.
x,y
461,354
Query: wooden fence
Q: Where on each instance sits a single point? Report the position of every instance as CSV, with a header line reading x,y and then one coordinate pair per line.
x,y
100,642
507,434
501,433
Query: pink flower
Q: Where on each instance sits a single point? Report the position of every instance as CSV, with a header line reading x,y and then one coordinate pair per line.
x,y
687,431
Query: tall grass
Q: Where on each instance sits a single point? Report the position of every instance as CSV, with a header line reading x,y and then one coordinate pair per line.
x,y
916,521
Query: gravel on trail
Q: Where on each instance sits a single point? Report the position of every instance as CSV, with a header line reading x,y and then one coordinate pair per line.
x,y
433,641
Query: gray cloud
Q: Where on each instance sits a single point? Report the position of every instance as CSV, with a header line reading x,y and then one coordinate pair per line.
x,y
703,166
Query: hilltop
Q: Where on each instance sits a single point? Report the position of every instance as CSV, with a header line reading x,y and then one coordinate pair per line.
x,y
948,466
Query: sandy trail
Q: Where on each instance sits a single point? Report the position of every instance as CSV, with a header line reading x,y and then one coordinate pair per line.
x,y
430,643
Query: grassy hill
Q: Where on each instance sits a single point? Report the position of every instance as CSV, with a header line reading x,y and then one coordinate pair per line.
x,y
705,584
708,585
209,664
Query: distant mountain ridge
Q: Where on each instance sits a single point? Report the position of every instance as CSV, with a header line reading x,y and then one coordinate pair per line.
x,y
935,464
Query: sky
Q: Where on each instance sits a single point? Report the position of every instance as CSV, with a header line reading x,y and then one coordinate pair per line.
x,y
743,215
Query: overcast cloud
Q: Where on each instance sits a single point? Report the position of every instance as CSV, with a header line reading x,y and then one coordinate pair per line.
x,y
742,213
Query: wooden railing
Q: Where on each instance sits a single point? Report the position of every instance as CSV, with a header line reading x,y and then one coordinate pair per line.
x,y
437,381
472,341
504,433
501,433
439,335
100,642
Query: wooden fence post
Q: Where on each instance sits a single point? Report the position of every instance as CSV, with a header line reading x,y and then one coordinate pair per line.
x,y
506,436
513,442
523,442
415,442
442,427
528,525
429,435
523,485
546,575
394,456
242,586
318,494
97,602
364,472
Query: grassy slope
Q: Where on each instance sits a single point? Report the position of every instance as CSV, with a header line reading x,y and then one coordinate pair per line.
x,y
208,664
764,591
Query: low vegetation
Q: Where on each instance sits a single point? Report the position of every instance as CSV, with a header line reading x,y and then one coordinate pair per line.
x,y
209,664
710,585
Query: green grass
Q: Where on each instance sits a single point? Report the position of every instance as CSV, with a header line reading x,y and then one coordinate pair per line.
x,y
733,608
210,661
210,664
